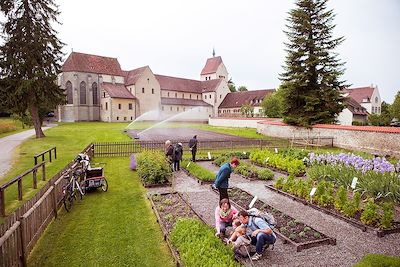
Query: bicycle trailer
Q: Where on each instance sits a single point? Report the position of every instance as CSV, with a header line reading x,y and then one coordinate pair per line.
x,y
94,178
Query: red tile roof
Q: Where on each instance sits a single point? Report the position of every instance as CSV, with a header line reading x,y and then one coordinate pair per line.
x,y
344,127
93,64
117,90
360,93
212,65
183,102
354,107
132,76
186,85
238,99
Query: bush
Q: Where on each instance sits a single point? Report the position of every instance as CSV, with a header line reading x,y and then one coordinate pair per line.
x,y
153,167
265,174
388,215
198,246
221,160
341,198
198,171
370,215
372,260
279,183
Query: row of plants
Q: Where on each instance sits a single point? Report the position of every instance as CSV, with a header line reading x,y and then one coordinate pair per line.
x,y
247,170
198,171
279,161
341,200
153,168
198,246
377,177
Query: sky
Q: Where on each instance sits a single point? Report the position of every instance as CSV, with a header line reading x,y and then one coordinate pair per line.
x,y
176,37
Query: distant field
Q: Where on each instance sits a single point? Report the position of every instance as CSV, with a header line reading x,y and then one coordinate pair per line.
x,y
9,126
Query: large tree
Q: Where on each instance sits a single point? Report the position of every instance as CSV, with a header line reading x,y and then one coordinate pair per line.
x,y
272,104
30,58
395,107
311,79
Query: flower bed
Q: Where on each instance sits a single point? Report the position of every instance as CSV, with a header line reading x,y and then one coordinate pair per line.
x,y
278,162
153,169
290,230
201,174
186,233
341,203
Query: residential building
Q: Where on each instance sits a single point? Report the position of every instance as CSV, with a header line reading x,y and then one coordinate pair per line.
x,y
368,97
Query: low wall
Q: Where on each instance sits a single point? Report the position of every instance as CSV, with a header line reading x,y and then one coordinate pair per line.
x,y
371,139
239,122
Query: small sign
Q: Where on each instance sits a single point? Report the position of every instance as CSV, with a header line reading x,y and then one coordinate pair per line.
x,y
313,191
188,164
209,155
354,182
266,160
276,150
244,152
253,201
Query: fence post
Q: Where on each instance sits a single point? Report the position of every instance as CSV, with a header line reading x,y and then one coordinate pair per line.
x,y
54,200
55,152
50,154
44,172
34,178
2,203
35,159
22,227
43,157
20,189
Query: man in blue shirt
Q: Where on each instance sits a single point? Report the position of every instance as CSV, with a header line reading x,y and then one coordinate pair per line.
x,y
261,233
221,180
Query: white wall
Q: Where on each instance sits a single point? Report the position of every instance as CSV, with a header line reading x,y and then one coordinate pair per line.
x,y
237,122
345,117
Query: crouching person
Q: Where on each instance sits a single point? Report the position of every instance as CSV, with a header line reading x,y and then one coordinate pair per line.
x,y
260,232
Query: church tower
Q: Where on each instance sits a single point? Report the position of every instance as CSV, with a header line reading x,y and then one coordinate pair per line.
x,y
214,69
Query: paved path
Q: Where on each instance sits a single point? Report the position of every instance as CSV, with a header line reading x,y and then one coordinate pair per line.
x,y
352,243
8,145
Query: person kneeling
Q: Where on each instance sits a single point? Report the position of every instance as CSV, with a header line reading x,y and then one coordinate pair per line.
x,y
260,232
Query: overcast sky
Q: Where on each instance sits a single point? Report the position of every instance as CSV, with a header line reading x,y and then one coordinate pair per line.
x,y
175,37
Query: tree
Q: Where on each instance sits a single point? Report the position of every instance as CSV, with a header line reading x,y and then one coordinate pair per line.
x,y
231,85
242,88
29,59
310,81
272,104
395,107
247,110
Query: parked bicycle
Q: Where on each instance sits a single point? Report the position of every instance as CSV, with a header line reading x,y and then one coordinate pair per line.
x,y
72,189
92,178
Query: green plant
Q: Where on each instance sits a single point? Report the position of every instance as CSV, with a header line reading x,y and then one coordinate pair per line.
x,y
153,167
292,236
317,235
284,230
292,223
279,183
370,215
198,171
265,174
160,208
388,215
289,184
169,217
168,202
306,229
371,260
156,197
341,198
302,234
221,160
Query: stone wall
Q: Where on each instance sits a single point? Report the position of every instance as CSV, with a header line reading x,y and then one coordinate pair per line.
x,y
376,140
239,122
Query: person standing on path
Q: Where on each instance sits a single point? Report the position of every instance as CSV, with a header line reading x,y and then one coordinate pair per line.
x,y
178,153
169,151
224,173
193,147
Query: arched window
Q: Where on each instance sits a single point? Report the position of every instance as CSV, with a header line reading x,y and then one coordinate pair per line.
x,y
95,94
82,93
70,98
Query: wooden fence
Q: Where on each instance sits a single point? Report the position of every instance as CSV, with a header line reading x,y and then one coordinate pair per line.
x,y
21,230
35,158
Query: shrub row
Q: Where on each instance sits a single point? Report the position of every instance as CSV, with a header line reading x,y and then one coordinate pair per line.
x,y
198,171
153,168
247,169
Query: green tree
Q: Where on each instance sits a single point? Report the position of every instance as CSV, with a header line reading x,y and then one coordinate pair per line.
x,y
395,107
272,104
310,81
29,59
247,110
242,88
231,85
382,119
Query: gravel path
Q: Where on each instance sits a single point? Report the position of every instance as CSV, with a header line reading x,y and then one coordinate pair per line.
x,y
352,243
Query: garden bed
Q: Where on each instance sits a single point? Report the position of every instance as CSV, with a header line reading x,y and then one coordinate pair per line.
x,y
290,230
332,212
201,182
197,172
276,169
157,185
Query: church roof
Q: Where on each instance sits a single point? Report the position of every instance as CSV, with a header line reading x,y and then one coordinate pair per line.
x,y
187,85
117,90
92,64
132,76
238,99
183,102
361,93
212,65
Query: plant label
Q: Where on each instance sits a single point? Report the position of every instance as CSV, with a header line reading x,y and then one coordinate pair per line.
x,y
313,191
209,155
188,164
244,152
354,182
266,160
253,201
276,150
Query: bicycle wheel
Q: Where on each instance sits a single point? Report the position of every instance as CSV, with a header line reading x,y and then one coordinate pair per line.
x,y
104,187
68,201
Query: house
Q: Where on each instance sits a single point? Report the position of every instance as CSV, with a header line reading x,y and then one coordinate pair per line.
x,y
368,97
233,102
353,113
97,89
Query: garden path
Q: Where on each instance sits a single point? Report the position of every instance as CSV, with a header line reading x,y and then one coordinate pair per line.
x,y
352,243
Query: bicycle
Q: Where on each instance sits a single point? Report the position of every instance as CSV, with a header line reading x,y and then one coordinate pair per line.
x,y
72,189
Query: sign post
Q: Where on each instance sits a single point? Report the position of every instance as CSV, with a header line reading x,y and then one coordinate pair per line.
x,y
312,193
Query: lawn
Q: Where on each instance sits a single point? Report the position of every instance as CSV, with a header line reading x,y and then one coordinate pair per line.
x,y
113,228
9,126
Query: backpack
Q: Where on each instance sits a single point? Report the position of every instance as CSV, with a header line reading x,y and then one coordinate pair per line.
x,y
241,246
263,215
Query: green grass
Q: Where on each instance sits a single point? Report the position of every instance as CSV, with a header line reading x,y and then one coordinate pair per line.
x,y
372,260
9,126
113,228
70,139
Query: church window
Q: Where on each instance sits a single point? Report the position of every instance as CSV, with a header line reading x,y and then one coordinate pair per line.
x,y
106,106
142,90
94,94
119,106
70,98
168,94
130,106
170,108
152,91
82,93
176,95
205,96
